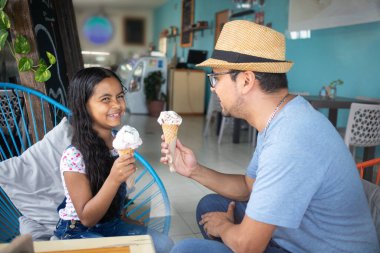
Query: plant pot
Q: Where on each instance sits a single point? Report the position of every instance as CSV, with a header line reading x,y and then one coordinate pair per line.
x,y
155,107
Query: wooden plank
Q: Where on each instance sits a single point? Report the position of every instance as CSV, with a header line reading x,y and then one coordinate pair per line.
x,y
21,24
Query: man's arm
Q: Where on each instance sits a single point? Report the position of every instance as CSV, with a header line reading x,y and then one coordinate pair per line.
x,y
248,236
237,187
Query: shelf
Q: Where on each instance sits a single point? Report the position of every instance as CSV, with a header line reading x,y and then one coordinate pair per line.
x,y
194,29
172,36
242,13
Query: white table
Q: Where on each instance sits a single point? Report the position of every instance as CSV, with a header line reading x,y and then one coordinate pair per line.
x,y
133,244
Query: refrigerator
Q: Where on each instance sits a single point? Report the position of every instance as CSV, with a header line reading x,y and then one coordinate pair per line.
x,y
132,74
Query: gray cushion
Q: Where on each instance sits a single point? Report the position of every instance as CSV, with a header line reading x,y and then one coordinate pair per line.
x,y
38,231
32,180
372,192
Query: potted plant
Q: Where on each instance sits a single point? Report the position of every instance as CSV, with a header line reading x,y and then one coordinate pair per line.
x,y
331,88
155,99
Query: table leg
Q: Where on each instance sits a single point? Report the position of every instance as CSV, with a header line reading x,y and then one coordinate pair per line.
x,y
369,153
218,122
333,116
236,131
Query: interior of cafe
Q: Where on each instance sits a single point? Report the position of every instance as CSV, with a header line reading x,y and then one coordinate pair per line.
x,y
334,45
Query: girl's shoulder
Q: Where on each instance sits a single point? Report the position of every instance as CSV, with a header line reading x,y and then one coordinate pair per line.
x,y
72,160
71,153
71,149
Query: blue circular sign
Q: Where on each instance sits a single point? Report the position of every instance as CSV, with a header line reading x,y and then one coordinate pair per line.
x,y
98,29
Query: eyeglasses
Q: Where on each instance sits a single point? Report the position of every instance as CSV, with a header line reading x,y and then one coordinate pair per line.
x,y
213,80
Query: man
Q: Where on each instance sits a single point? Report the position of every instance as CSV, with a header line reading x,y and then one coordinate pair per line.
x,y
301,192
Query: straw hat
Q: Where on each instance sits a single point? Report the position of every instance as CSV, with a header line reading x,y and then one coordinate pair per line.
x,y
244,45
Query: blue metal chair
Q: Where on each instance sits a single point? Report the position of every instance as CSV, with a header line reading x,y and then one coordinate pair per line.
x,y
20,130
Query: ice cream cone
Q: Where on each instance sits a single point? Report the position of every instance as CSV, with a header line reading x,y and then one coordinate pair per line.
x,y
128,151
126,141
170,135
170,122
170,132
131,179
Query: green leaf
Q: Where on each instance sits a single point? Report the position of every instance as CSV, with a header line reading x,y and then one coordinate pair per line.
x,y
2,4
3,38
22,45
42,74
42,63
51,58
4,20
25,64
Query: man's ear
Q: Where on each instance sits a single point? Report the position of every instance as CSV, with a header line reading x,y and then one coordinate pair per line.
x,y
248,81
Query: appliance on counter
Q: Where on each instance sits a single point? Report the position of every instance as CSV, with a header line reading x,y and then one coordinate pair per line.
x,y
193,58
196,56
132,73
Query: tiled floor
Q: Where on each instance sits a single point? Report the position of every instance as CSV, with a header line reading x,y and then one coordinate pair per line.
x,y
184,193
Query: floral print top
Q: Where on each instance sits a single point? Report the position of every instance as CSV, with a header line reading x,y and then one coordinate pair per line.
x,y
72,161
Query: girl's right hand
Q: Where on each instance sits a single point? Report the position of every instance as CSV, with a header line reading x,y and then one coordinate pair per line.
x,y
123,167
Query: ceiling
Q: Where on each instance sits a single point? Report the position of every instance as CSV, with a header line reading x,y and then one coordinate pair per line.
x,y
150,4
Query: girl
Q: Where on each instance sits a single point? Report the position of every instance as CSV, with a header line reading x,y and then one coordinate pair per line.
x,y
92,174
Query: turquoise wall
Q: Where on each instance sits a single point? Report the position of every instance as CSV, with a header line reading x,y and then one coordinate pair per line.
x,y
350,53
170,15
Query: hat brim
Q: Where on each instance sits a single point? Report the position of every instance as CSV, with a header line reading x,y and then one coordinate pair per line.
x,y
265,67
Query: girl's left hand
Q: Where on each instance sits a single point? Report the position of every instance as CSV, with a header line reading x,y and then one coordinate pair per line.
x,y
123,167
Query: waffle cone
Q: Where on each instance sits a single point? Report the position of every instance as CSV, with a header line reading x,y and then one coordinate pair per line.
x,y
128,151
170,132
170,135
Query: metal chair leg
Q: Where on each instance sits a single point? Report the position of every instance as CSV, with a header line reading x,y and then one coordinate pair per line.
x,y
224,119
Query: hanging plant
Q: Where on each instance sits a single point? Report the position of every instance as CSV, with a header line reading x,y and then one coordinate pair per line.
x,y
21,48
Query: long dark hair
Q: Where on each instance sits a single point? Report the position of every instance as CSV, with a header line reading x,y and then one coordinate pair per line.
x,y
97,158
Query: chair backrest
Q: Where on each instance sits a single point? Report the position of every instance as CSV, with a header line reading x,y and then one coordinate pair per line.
x,y
213,107
370,163
149,201
372,191
370,99
214,104
19,129
363,126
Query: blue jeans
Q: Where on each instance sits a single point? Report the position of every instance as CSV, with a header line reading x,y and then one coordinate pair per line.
x,y
67,229
217,203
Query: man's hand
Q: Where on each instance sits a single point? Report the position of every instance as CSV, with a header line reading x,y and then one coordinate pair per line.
x,y
214,222
184,161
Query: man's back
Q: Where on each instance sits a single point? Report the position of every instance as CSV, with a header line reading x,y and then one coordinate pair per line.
x,y
307,184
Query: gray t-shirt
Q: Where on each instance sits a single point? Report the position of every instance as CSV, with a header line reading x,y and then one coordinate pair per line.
x,y
308,186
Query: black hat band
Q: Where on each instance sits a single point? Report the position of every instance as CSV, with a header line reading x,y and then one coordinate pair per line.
x,y
234,57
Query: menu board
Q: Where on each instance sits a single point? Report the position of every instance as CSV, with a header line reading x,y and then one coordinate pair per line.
x,y
48,39
186,22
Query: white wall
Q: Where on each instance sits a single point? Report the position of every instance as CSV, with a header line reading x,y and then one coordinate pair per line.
x,y
116,45
319,14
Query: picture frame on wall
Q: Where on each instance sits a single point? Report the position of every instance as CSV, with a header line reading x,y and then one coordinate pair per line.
x,y
187,20
134,31
221,18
